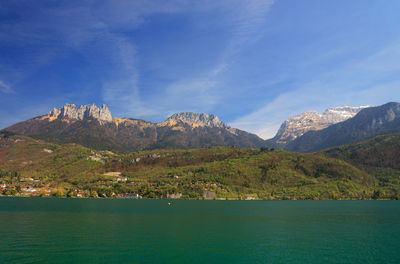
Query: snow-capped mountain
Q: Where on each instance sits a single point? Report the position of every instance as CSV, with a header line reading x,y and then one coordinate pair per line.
x,y
368,123
299,124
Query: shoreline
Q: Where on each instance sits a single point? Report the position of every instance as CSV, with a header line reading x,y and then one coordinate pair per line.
x,y
188,199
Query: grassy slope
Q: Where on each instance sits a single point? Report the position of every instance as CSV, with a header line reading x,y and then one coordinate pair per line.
x,y
229,172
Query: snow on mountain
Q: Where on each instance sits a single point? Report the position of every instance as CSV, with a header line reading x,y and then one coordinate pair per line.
x,y
299,124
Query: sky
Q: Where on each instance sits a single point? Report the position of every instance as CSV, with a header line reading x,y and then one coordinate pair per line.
x,y
252,63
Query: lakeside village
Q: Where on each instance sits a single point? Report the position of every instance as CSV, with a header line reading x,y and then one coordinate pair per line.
x,y
29,187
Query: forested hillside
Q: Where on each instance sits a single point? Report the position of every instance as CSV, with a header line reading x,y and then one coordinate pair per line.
x,y
379,157
34,167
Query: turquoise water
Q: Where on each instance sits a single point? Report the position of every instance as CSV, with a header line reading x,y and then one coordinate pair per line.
x,y
44,230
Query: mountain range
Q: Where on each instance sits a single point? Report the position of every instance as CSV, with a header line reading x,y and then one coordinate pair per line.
x,y
95,127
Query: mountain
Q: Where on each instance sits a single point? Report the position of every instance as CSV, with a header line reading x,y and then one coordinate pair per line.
x,y
94,127
298,125
368,123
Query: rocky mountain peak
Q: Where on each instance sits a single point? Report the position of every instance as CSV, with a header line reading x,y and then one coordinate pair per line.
x,y
299,124
201,120
82,112
339,114
195,119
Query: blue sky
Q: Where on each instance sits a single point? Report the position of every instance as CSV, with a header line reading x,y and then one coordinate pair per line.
x,y
253,63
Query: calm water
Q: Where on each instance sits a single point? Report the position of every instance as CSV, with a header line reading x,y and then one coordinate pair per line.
x,y
40,230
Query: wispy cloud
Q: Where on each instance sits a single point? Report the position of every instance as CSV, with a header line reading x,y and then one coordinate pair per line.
x,y
5,88
90,29
244,20
117,50
93,28
121,91
366,81
204,91
200,91
247,20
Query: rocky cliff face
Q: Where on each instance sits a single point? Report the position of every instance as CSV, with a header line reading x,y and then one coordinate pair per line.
x,y
298,125
82,112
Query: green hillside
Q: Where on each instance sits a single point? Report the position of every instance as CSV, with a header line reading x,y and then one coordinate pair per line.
x,y
34,167
379,157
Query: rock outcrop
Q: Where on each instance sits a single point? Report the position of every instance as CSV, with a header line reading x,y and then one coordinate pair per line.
x,y
201,120
83,112
195,119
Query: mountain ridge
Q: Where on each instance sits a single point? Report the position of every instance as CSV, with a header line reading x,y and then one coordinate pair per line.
x,y
94,127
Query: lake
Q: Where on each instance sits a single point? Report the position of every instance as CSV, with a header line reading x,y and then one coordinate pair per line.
x,y
51,230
